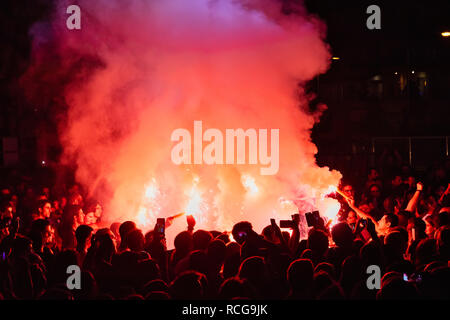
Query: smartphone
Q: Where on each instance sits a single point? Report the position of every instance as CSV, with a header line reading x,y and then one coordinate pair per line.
x,y
312,218
161,225
363,223
285,223
242,234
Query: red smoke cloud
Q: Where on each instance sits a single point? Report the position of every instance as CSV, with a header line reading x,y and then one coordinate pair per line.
x,y
137,70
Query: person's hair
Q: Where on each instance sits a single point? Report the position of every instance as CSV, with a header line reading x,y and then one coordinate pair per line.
x,y
201,239
157,295
216,251
198,261
420,227
395,288
105,246
115,229
37,229
326,267
41,203
135,240
267,232
300,275
371,254
395,244
224,237
189,285
233,288
333,292
392,219
154,285
443,219
342,235
82,233
317,242
443,242
183,242
56,294
253,269
124,229
426,252
20,245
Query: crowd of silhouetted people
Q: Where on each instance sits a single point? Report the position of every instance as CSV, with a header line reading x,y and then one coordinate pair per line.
x,y
396,220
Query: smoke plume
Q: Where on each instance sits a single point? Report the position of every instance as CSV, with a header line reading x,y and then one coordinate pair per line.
x,y
139,69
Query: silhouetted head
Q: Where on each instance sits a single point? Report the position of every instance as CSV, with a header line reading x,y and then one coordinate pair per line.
x,y
371,254
183,242
189,285
241,230
216,252
395,245
342,235
300,275
326,267
135,240
201,239
233,288
386,222
443,242
426,252
317,242
253,269
83,234
154,285
124,229
443,219
395,288
198,261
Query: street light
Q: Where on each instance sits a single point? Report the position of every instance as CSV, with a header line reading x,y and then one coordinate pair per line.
x,y
445,34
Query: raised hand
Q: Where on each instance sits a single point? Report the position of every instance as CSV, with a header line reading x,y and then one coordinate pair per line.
x,y
190,222
419,186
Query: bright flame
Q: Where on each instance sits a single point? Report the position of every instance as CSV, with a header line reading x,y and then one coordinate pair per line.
x,y
195,206
149,208
332,210
331,189
249,184
329,207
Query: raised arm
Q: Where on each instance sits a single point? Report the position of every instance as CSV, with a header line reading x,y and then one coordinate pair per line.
x,y
361,213
412,204
441,199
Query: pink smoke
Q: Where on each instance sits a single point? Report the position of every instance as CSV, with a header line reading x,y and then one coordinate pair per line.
x,y
137,70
